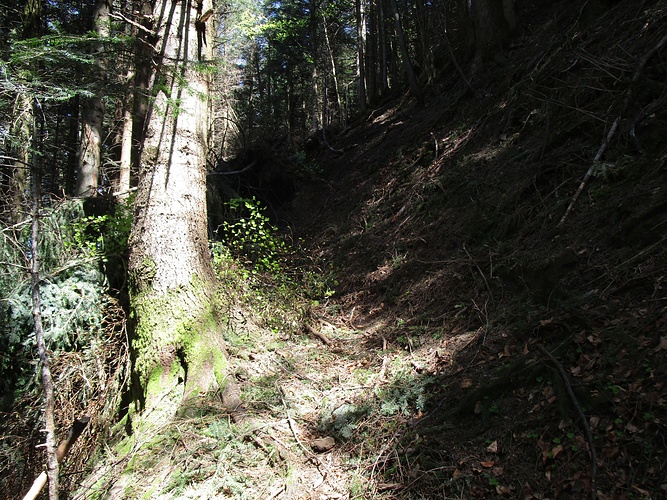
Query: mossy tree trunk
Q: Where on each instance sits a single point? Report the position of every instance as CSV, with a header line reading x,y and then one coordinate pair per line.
x,y
177,353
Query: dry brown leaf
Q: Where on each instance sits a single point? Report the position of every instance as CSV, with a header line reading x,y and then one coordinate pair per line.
x,y
493,447
503,490
662,346
594,339
488,464
557,451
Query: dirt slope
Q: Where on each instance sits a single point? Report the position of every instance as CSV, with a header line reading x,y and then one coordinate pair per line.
x,y
445,222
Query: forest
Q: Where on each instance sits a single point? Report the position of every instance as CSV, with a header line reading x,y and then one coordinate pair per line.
x,y
333,249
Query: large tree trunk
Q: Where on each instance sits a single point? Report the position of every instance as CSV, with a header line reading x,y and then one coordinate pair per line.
x,y
491,27
177,353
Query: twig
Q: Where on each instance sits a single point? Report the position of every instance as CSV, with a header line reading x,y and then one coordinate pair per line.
x,y
479,269
456,65
121,17
626,101
236,172
325,340
385,362
580,413
292,425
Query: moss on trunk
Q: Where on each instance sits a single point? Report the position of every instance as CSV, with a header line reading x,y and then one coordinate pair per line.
x,y
178,350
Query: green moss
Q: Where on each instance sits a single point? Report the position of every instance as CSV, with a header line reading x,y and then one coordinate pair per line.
x,y
142,277
176,337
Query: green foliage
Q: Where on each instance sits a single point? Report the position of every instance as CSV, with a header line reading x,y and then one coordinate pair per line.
x,y
47,66
406,395
252,237
72,290
342,421
101,236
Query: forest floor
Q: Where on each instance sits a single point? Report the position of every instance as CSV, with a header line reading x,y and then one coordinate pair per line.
x,y
479,341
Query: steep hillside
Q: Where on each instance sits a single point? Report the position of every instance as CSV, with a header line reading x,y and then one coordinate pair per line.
x,y
463,321
459,240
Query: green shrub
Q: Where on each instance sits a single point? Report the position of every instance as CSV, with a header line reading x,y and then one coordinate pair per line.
x,y
252,238
73,289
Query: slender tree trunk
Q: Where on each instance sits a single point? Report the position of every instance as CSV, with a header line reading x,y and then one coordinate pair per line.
x,y
92,116
178,354
317,120
47,381
21,131
125,164
143,65
72,145
510,15
332,61
371,54
405,57
384,62
361,47
55,164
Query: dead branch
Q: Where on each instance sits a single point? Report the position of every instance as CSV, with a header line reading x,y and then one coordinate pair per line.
x,y
626,101
140,27
470,88
235,172
385,362
580,414
61,453
325,340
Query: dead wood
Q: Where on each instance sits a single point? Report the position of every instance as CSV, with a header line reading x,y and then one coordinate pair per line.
x,y
320,336
580,414
61,453
603,147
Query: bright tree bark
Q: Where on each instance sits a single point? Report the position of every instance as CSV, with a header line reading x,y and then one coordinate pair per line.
x,y
361,49
177,353
125,163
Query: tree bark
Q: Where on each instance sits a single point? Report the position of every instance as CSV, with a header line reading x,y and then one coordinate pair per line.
x,y
92,116
125,164
47,381
177,353
405,57
490,28
361,48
